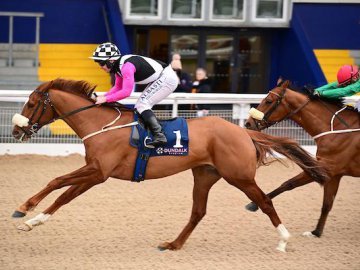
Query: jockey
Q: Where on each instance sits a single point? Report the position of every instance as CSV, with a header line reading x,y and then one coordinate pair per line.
x,y
161,80
348,84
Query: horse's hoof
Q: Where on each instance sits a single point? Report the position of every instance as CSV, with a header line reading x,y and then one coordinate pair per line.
x,y
167,246
312,234
252,207
18,214
164,246
309,234
161,248
24,227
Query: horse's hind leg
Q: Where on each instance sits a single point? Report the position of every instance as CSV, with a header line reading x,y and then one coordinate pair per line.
x,y
255,194
70,194
204,178
330,191
88,173
297,181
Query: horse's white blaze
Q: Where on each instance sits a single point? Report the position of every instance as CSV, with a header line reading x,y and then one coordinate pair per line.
x,y
256,114
36,221
284,237
20,120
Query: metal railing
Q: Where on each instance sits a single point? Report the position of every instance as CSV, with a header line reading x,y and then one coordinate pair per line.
x,y
11,16
58,139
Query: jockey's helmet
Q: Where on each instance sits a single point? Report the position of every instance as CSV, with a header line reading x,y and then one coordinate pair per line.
x,y
106,51
347,74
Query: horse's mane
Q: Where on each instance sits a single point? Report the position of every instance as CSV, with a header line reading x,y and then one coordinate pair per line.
x,y
309,90
80,88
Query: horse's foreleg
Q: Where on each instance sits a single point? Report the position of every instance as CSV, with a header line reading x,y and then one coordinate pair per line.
x,y
63,199
204,178
78,177
255,194
330,191
297,181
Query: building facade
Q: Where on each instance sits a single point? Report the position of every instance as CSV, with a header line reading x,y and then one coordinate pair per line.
x,y
245,45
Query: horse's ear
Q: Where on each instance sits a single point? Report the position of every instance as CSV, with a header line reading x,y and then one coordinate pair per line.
x,y
279,81
49,85
285,84
45,86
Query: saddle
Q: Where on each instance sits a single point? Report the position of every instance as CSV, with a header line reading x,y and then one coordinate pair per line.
x,y
176,132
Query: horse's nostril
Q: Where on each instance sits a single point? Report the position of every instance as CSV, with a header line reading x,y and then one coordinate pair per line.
x,y
247,125
15,133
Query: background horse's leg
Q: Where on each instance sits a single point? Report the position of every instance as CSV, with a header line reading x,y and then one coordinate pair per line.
x,y
63,199
254,193
330,191
204,178
88,173
297,181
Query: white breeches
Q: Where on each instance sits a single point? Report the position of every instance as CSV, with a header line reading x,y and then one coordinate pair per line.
x,y
158,90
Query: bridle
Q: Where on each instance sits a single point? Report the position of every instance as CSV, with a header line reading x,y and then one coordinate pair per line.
x,y
45,100
265,123
34,124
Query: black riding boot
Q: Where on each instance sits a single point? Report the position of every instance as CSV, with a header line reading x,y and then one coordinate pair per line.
x,y
156,130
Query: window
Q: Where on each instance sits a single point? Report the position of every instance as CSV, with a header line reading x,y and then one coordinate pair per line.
x,y
228,9
186,9
144,8
185,45
270,10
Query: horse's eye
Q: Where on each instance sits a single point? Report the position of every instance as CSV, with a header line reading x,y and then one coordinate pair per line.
x,y
30,104
268,101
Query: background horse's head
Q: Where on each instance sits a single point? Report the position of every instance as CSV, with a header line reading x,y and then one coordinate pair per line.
x,y
37,112
276,106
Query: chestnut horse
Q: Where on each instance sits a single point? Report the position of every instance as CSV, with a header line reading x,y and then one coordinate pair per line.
x,y
336,131
217,149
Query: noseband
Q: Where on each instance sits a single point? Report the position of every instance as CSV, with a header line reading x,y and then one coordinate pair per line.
x,y
265,121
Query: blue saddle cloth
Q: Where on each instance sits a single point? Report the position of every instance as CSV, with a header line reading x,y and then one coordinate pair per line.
x,y
176,132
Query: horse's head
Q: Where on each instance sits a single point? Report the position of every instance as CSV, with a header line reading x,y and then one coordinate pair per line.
x,y
37,112
273,108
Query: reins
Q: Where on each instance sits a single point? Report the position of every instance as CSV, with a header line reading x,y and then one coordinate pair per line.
x,y
332,131
108,127
69,114
334,114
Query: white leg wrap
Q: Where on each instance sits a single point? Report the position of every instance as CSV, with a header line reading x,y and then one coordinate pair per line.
x,y
284,237
38,220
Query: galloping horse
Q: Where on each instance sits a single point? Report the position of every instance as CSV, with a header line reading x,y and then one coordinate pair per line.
x,y
217,149
336,132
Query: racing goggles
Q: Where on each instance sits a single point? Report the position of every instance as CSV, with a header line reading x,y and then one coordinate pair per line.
x,y
101,62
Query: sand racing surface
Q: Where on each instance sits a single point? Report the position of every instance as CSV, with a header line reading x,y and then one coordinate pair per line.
x,y
118,224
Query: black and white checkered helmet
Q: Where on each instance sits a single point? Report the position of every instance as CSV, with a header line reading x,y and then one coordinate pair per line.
x,y
106,51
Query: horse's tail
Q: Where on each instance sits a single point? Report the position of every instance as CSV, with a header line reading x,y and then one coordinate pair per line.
x,y
267,144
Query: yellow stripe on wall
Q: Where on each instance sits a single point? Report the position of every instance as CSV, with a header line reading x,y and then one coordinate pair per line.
x,y
70,61
331,60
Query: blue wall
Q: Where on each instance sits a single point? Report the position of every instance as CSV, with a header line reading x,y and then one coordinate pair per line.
x,y
330,26
293,57
312,26
65,21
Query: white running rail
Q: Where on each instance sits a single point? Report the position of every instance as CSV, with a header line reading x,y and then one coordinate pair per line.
x,y
63,143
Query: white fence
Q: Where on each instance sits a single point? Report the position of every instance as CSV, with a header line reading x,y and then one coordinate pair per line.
x,y
59,140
